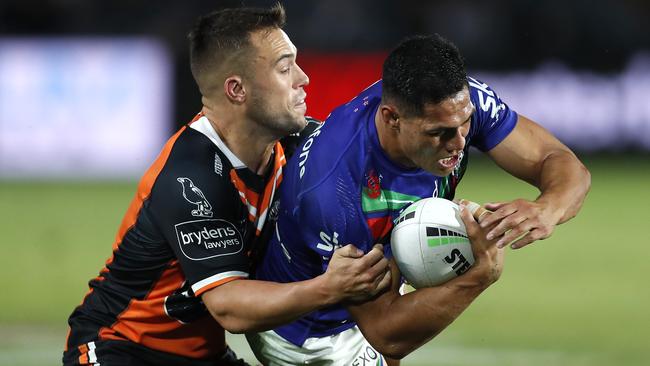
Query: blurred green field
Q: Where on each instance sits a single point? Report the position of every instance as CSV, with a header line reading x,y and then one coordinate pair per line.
x,y
578,298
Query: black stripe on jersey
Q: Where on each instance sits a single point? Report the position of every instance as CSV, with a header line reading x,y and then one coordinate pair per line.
x,y
137,265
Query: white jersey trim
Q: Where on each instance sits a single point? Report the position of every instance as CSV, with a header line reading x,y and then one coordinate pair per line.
x,y
92,356
204,126
216,278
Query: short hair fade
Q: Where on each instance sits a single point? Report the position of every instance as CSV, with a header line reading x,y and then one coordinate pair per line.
x,y
221,34
422,70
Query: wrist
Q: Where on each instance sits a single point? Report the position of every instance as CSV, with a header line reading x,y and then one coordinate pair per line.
x,y
327,294
553,208
481,275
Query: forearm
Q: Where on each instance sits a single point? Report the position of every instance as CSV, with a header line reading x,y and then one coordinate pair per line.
x,y
404,323
249,305
564,182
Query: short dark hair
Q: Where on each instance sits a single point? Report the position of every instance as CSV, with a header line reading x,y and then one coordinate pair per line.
x,y
422,70
218,36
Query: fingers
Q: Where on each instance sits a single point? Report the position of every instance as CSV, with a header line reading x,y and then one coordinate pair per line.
x,y
493,206
373,266
533,235
508,225
510,231
382,282
504,210
519,230
519,222
378,268
523,241
474,208
375,255
349,251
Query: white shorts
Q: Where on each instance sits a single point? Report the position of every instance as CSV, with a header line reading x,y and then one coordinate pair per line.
x,y
348,348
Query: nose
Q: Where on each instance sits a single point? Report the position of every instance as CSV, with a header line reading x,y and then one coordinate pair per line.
x,y
302,79
456,142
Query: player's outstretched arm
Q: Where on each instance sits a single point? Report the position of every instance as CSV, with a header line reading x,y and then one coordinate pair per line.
x,y
533,154
249,305
397,325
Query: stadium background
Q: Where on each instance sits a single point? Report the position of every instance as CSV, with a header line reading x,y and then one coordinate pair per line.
x,y
69,161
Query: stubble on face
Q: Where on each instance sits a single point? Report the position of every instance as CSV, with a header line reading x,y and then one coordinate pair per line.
x,y
272,97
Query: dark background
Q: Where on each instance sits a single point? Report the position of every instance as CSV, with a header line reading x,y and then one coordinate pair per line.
x,y
497,35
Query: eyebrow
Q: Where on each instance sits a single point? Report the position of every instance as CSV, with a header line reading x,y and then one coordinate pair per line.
x,y
470,115
282,57
438,129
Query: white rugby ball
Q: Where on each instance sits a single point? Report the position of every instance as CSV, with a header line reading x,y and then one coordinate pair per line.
x,y
430,243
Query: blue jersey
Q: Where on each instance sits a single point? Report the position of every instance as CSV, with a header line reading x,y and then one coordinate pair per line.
x,y
340,187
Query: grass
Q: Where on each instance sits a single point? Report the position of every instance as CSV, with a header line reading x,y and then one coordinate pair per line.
x,y
578,298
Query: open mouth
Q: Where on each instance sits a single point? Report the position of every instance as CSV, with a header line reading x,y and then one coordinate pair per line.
x,y
450,162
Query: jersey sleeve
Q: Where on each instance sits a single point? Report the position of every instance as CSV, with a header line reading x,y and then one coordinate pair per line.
x,y
493,119
196,210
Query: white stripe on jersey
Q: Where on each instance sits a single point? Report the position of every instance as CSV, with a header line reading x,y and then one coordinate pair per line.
x,y
216,278
204,126
92,357
252,210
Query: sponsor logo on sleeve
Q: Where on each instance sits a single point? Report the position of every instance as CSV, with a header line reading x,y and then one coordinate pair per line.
x,y
218,165
488,101
194,195
205,239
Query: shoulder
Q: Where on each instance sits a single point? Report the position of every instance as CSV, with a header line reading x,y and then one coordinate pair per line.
x,y
493,119
340,141
487,102
194,176
334,148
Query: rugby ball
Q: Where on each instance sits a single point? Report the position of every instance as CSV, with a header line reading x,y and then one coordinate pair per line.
x,y
430,244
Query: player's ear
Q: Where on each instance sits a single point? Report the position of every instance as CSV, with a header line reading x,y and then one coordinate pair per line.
x,y
234,89
390,116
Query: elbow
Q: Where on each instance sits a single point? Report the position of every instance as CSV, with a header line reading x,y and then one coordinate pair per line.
x,y
585,175
232,324
585,184
232,327
223,312
396,355
587,178
395,349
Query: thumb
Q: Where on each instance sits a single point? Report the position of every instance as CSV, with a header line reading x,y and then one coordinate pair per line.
x,y
470,223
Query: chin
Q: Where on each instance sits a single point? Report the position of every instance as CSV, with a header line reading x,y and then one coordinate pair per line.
x,y
439,172
299,123
293,125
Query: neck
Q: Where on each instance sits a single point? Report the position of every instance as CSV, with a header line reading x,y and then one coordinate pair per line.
x,y
244,139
